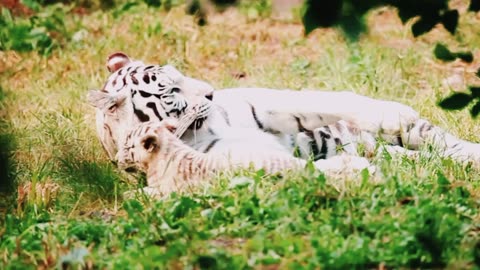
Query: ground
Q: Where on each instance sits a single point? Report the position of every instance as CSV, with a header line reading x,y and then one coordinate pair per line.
x,y
66,208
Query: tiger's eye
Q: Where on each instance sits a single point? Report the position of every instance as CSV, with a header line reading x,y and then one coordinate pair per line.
x,y
175,90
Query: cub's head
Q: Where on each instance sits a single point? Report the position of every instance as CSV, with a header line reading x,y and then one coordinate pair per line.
x,y
146,143
135,92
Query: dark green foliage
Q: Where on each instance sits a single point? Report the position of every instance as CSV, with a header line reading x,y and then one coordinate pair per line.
x,y
7,147
349,14
35,33
474,5
153,3
456,101
99,179
443,53
7,163
124,8
317,14
475,110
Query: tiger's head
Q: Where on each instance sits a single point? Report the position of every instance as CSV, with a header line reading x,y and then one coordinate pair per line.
x,y
136,92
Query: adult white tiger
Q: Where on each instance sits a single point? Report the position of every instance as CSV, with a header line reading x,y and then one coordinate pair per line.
x,y
135,92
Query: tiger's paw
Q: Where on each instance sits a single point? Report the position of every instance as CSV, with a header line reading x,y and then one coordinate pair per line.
x,y
386,117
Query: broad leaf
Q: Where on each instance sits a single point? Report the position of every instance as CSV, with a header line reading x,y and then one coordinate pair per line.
x,y
153,3
456,101
465,56
443,53
475,109
320,14
475,90
422,26
450,20
474,5
406,14
353,26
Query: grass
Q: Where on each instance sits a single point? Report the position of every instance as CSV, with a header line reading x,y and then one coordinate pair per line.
x,y
66,208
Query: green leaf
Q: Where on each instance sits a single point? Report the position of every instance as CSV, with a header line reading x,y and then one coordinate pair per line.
x,y
316,14
450,20
124,8
443,53
475,110
475,90
406,14
353,26
474,5
153,3
422,26
442,179
465,56
456,101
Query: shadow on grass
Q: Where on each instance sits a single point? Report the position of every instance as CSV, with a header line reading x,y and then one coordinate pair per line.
x,y
98,179
7,147
7,163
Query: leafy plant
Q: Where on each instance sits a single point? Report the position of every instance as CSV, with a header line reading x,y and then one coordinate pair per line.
x,y
349,15
458,101
41,32
443,53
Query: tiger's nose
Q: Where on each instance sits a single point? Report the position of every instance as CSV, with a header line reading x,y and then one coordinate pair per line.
x,y
209,96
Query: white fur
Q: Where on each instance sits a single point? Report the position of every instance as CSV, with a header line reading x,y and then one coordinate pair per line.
x,y
276,118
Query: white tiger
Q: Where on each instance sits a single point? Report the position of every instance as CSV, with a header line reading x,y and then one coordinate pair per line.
x,y
135,92
171,165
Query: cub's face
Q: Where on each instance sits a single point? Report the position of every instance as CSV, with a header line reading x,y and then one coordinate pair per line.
x,y
147,143
135,93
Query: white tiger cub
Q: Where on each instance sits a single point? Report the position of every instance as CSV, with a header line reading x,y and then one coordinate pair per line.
x,y
171,165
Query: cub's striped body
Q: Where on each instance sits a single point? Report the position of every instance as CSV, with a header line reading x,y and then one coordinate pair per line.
x,y
171,165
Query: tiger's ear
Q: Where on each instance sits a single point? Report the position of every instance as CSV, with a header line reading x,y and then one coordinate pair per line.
x,y
150,143
116,61
105,101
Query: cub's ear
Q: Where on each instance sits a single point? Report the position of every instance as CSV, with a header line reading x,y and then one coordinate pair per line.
x,y
105,101
116,61
150,143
